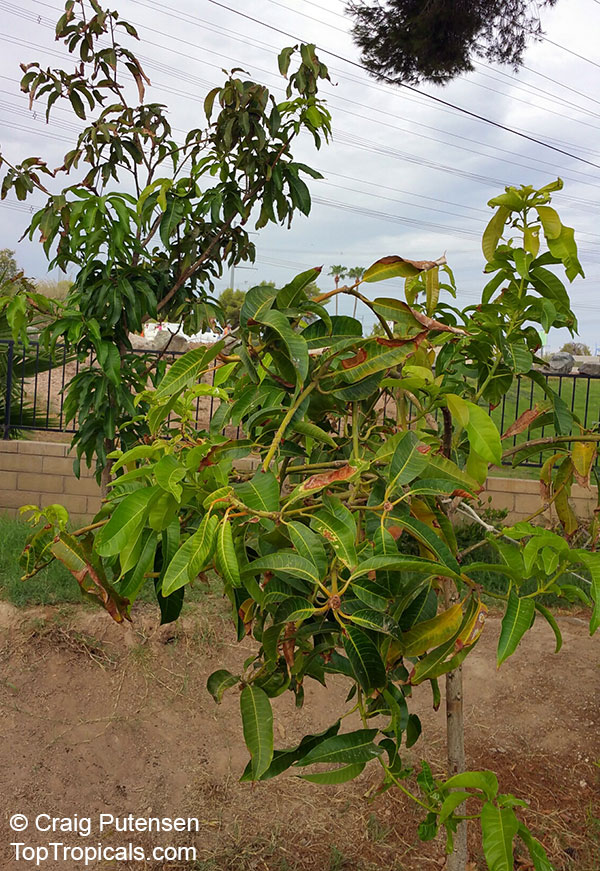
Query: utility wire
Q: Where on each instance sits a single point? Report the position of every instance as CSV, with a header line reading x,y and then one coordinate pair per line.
x,y
412,88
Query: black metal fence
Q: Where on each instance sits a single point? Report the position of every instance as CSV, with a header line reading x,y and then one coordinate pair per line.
x,y
32,393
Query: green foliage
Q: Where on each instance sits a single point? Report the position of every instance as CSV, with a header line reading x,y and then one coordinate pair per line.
x,y
231,302
337,549
153,248
579,349
412,41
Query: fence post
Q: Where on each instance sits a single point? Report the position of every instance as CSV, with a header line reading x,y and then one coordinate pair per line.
x,y
8,387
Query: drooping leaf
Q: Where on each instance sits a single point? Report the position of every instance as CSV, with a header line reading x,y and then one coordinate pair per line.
x,y
226,559
192,557
483,434
125,522
498,828
432,633
515,623
257,723
365,659
350,748
342,774
220,681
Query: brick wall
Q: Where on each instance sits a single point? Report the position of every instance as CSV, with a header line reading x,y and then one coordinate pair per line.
x,y
41,473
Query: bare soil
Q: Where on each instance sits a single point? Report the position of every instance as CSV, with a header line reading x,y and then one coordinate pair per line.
x,y
98,718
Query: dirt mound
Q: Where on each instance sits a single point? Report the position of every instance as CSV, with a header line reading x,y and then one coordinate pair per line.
x,y
97,718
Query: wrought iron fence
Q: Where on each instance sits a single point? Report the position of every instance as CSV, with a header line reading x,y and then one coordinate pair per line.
x,y
32,394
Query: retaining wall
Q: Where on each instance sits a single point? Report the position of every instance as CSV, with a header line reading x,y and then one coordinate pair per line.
x,y
41,473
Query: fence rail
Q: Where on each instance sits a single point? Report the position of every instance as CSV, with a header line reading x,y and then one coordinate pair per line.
x,y
32,393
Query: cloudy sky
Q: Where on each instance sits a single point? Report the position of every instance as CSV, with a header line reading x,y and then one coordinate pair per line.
x,y
403,174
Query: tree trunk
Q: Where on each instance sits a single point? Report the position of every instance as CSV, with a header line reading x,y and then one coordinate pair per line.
x,y
455,739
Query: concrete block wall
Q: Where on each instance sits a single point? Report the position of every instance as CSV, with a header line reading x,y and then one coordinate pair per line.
x,y
521,497
41,473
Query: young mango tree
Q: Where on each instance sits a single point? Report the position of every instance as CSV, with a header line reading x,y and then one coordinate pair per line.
x,y
338,552
152,220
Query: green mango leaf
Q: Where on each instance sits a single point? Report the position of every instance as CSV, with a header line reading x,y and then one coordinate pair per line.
x,y
549,618
257,724
365,659
591,561
379,357
407,461
483,434
261,493
338,775
313,432
450,803
338,533
309,546
186,369
375,620
126,520
295,344
432,633
291,294
402,562
493,232
168,472
441,467
292,609
220,681
486,781
284,562
282,759
515,623
132,583
536,851
350,748
192,557
498,828
226,559
170,606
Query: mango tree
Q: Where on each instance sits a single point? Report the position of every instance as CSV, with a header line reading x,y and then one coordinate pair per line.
x,y
338,551
151,220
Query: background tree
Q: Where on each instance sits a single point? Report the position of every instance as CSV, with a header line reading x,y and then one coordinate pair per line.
x,y
337,273
409,40
231,302
16,358
578,349
149,223
355,273
53,288
12,278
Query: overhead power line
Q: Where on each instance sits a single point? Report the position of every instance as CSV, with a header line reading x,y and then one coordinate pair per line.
x,y
454,106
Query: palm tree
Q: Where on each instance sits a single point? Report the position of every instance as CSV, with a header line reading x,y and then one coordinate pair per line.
x,y
356,273
337,272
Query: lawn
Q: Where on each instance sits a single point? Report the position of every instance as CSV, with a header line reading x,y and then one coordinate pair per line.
x,y
53,585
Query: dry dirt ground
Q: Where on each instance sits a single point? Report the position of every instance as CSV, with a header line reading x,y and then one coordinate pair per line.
x,y
97,718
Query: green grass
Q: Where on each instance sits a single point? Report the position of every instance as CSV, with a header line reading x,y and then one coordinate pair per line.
x,y
54,585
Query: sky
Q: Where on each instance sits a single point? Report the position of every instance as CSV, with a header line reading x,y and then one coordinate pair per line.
x,y
403,174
